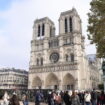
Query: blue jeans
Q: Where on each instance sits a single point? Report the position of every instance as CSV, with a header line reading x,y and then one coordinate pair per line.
x,y
94,102
25,103
87,103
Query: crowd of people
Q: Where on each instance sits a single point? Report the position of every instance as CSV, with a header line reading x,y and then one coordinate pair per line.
x,y
56,98
13,100
73,98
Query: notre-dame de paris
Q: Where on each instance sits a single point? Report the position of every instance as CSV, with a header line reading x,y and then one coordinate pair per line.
x,y
59,61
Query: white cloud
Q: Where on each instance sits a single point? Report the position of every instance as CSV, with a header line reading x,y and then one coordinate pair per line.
x,y
15,37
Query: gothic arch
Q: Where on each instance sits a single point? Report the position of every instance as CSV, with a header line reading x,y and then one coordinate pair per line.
x,y
70,24
68,81
52,80
36,82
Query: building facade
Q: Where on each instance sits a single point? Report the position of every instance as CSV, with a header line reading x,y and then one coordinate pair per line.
x,y
11,78
94,71
59,61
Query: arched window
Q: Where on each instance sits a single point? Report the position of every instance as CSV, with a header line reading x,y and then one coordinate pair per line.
x,y
70,24
41,61
66,30
43,30
67,57
37,62
39,31
50,31
72,57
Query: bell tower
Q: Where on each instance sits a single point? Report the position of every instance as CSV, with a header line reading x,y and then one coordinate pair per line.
x,y
43,28
70,33
69,22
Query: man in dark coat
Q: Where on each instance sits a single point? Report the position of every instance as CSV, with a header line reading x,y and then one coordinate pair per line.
x,y
37,98
66,98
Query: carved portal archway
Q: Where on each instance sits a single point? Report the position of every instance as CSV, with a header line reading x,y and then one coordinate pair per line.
x,y
37,83
68,82
52,82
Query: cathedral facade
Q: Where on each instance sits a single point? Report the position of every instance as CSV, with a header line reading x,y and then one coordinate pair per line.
x,y
58,61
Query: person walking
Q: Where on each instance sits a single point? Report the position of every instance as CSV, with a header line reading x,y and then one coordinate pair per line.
x,y
37,98
1,99
58,99
102,98
6,98
14,100
87,98
75,99
94,97
25,100
66,98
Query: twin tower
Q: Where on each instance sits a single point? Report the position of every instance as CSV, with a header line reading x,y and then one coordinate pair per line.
x,y
55,60
69,22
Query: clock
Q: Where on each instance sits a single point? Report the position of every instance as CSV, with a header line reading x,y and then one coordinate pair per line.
x,y
54,57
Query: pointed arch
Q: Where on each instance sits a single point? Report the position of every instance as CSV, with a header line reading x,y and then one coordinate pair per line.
x,y
66,27
68,81
41,61
52,80
70,24
67,57
38,30
43,29
72,57
37,62
36,82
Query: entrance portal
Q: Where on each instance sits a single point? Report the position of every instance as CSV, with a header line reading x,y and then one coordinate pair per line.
x,y
52,81
36,84
68,82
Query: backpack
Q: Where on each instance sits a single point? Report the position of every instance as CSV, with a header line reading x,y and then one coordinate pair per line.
x,y
101,98
94,96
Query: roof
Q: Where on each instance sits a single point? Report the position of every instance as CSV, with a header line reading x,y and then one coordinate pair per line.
x,y
13,70
43,19
73,10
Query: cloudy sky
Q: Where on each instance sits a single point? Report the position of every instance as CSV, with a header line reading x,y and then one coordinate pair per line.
x,y
16,21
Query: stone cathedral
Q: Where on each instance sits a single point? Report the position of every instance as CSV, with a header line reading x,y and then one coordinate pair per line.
x,y
59,61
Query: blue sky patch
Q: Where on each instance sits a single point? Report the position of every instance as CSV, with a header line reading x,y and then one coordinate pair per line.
x,y
2,23
5,4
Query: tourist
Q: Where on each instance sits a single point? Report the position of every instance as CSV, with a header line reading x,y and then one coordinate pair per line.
x,y
14,100
58,99
25,100
75,99
87,98
37,98
1,99
102,98
81,97
94,97
66,98
98,98
6,98
50,99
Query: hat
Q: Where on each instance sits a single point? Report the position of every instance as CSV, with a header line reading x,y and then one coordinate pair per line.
x,y
49,92
14,93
